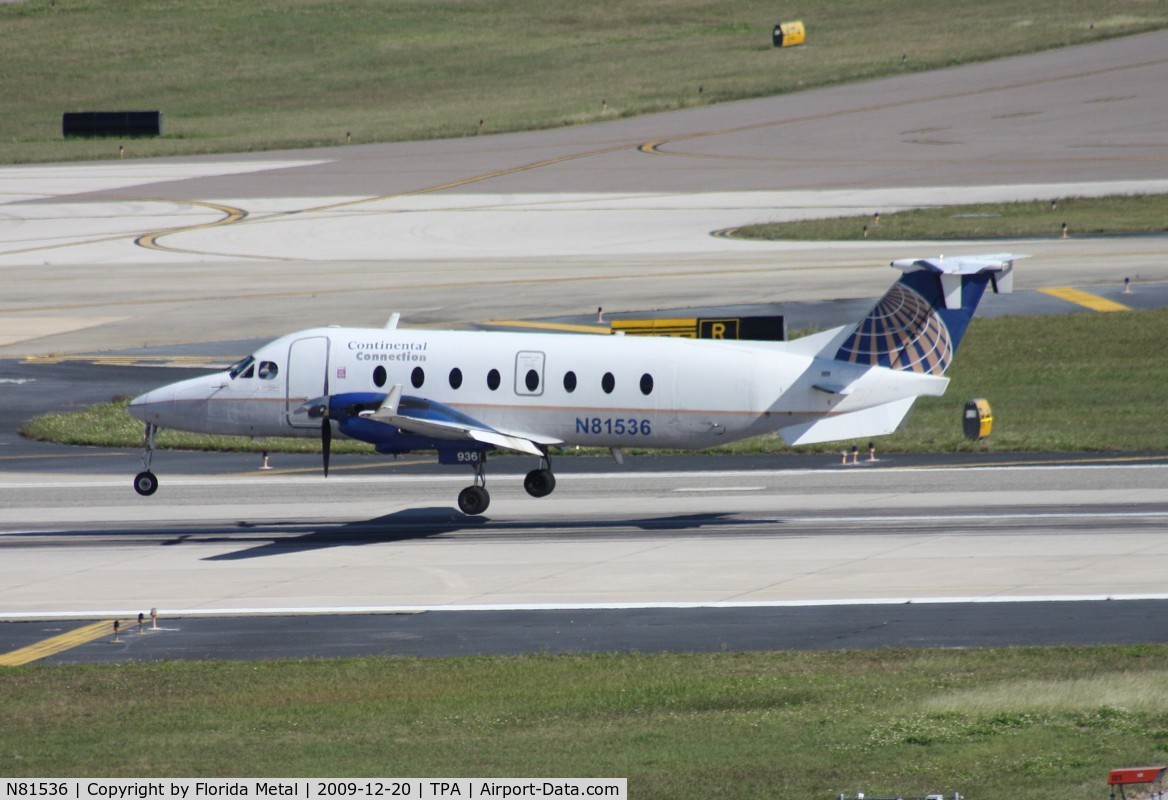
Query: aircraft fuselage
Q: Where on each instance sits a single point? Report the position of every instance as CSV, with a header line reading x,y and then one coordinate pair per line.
x,y
607,391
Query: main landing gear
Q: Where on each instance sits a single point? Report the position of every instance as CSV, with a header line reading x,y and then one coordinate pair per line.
x,y
145,482
473,500
540,482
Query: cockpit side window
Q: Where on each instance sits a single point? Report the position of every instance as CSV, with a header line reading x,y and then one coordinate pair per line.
x,y
244,368
268,370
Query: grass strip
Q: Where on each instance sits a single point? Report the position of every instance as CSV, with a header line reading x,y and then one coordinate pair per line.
x,y
1077,382
277,74
1081,216
110,425
1040,723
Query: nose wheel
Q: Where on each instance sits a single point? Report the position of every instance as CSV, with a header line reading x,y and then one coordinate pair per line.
x,y
146,482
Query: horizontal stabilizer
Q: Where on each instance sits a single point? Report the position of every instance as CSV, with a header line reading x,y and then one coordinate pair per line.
x,y
999,267
876,421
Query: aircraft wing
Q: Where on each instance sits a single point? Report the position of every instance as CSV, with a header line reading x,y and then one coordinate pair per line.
x,y
427,418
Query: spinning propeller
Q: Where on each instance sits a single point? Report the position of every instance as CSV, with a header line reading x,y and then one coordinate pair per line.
x,y
318,408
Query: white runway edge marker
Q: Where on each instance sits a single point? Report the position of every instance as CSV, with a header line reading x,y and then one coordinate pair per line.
x,y
178,613
94,482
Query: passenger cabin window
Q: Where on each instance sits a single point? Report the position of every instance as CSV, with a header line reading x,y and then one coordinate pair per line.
x,y
569,382
379,376
608,383
455,378
418,377
268,370
531,380
646,383
493,380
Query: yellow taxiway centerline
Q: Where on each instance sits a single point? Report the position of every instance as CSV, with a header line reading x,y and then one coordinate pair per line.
x,y
61,643
549,326
1085,299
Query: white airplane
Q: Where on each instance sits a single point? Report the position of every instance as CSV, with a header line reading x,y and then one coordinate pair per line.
x,y
466,393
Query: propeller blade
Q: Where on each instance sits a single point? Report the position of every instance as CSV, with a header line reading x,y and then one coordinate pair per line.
x,y
326,442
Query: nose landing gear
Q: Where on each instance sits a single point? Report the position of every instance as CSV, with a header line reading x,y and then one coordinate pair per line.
x,y
145,482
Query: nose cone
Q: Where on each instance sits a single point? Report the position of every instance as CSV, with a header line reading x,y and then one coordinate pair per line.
x,y
154,405
182,406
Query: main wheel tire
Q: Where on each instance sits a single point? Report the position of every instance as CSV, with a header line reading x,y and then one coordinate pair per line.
x,y
145,483
473,500
539,482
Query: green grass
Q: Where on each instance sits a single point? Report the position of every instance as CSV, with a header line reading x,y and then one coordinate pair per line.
x,y
274,74
110,425
1034,723
1083,216
1077,382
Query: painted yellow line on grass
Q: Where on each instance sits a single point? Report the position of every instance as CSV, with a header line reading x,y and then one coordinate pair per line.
x,y
1085,299
59,644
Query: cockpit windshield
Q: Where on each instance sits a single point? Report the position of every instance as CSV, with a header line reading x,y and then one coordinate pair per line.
x,y
245,368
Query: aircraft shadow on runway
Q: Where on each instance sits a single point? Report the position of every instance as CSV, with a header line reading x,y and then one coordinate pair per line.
x,y
411,523
269,538
425,523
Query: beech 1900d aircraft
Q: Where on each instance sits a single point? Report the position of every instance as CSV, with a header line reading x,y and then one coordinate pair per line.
x,y
466,393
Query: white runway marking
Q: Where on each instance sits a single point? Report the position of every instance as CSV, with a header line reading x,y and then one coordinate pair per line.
x,y
174,613
720,490
39,482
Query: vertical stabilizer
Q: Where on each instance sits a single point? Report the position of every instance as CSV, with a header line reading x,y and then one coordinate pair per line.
x,y
919,322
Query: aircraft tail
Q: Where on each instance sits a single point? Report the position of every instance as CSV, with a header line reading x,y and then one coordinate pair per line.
x,y
919,322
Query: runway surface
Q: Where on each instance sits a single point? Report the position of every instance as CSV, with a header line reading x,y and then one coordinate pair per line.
x,y
294,542
157,256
